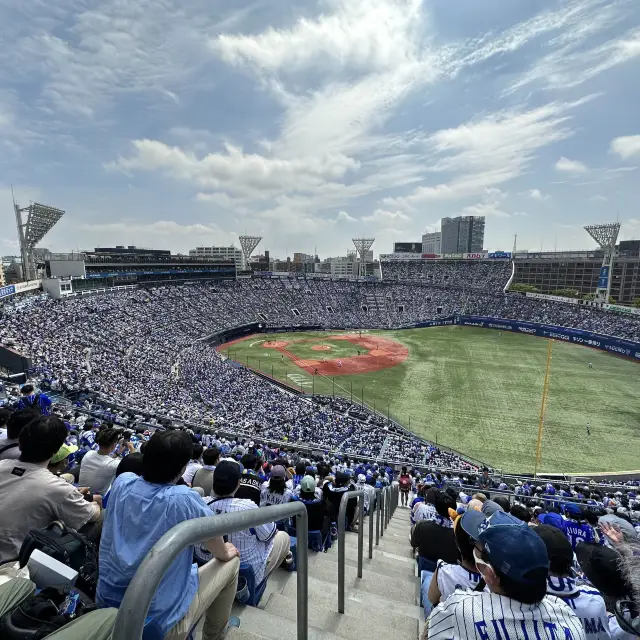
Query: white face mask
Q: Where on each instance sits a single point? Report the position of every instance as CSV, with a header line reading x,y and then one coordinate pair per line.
x,y
479,560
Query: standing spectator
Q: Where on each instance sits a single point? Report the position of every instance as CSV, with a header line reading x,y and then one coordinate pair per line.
x,y
333,492
585,600
98,468
263,547
276,491
38,401
141,510
319,511
31,497
10,445
485,482
514,564
405,482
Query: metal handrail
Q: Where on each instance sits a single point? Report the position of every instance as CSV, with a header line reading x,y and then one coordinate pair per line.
x,y
129,623
342,514
379,500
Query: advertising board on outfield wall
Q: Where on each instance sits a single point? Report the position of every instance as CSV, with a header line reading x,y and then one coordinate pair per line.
x,y
19,287
404,257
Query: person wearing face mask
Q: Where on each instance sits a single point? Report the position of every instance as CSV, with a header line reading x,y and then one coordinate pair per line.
x,y
514,565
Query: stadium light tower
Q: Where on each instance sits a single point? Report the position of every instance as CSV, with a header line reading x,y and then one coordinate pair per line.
x,y
606,236
362,246
248,245
40,219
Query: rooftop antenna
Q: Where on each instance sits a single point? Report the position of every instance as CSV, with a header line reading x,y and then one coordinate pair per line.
x,y
515,242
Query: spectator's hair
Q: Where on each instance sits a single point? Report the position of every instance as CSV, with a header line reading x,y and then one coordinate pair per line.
x,y
503,502
530,592
131,464
143,446
4,416
300,468
41,438
106,437
18,419
430,496
249,461
211,456
479,496
27,389
197,450
443,503
277,485
465,544
166,455
521,512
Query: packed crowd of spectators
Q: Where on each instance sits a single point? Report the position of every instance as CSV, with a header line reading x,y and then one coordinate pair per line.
x,y
468,274
506,560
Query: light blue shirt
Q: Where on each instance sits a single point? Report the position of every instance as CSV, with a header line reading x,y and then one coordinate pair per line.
x,y
138,515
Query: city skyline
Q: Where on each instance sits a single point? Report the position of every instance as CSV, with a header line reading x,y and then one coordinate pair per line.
x,y
309,123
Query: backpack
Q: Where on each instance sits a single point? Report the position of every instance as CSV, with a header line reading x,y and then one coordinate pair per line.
x,y
40,615
405,482
67,546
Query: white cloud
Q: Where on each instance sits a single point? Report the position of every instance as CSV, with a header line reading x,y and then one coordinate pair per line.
x,y
380,216
343,216
536,194
571,166
599,198
626,146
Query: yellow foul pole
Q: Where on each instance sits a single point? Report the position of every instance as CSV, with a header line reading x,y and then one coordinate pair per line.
x,y
543,406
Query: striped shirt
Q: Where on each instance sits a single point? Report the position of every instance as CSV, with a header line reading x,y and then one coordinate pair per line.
x,y
254,544
489,616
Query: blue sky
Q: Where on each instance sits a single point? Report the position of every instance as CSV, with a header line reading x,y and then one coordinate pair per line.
x,y
173,124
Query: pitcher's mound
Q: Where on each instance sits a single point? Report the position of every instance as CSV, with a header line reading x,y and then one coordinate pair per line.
x,y
321,347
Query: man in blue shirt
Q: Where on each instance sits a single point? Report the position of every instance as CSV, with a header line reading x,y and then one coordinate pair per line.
x,y
32,399
141,510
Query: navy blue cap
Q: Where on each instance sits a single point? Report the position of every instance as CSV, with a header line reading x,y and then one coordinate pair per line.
x,y
512,547
552,519
471,521
572,509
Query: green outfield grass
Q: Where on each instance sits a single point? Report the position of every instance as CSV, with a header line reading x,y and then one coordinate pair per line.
x,y
479,391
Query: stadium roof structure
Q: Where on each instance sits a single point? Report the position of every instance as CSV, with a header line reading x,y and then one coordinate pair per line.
x,y
362,246
606,236
40,219
248,245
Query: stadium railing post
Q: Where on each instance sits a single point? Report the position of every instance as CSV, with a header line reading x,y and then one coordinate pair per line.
x,y
378,509
342,515
129,623
381,508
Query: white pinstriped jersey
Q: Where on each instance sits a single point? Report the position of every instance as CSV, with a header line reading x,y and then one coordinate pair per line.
x,y
469,615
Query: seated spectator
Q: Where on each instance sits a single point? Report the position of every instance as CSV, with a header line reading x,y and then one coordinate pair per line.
x,y
141,510
319,511
576,527
503,503
521,512
31,497
204,476
61,461
333,492
194,464
38,401
514,564
462,574
434,539
584,600
275,491
130,464
9,445
98,468
485,482
426,510
263,547
251,486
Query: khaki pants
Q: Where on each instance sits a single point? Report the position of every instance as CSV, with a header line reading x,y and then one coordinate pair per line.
x,y
217,584
278,552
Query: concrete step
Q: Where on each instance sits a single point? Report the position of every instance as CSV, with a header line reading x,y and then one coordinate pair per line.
x,y
325,594
354,623
265,624
379,564
402,590
400,548
235,633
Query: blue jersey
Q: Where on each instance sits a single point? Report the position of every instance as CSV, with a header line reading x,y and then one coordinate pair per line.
x,y
43,403
578,531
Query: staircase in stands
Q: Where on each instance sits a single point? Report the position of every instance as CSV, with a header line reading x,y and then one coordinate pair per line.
x,y
383,603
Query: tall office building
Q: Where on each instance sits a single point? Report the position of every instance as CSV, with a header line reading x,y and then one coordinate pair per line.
x,y
432,243
221,253
464,234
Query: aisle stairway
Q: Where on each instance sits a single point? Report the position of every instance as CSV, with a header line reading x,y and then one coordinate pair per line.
x,y
382,603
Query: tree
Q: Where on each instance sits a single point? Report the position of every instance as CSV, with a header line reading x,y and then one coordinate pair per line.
x,y
612,300
525,288
566,293
589,296
636,303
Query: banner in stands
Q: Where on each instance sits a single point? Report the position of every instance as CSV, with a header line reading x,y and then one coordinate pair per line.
x,y
544,296
395,257
603,280
585,338
20,287
474,256
620,309
497,255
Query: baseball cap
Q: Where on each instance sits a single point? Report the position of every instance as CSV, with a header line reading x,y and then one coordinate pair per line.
x,y
601,566
572,509
558,546
278,472
226,477
624,525
471,521
551,519
307,484
62,453
511,546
